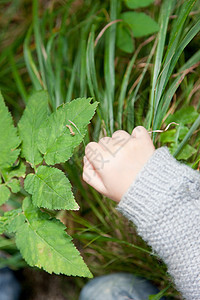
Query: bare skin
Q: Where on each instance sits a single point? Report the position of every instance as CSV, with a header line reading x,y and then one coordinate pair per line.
x,y
112,164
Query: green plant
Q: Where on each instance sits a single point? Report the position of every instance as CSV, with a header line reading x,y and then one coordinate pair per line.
x,y
134,25
45,139
173,138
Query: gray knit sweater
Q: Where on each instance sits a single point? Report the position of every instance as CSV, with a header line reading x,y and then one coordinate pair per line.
x,y
164,204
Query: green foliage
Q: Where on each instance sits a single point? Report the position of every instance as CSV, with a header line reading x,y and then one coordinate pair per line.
x,y
9,140
14,185
55,140
184,117
125,41
139,23
44,243
12,221
18,170
50,188
42,239
34,115
135,24
159,295
4,194
137,3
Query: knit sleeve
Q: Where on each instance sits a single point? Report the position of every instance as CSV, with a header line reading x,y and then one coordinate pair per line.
x,y
164,204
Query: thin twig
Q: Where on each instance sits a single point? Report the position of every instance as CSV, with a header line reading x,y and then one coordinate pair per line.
x,y
104,29
164,129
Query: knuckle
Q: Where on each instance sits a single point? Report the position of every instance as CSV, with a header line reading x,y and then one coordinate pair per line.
x,y
90,146
118,132
104,140
85,177
140,128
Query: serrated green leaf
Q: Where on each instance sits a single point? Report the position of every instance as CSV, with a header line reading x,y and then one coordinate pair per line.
x,y
17,171
11,221
124,40
34,115
44,243
185,115
138,3
185,153
14,185
4,194
9,140
140,23
169,136
55,140
50,189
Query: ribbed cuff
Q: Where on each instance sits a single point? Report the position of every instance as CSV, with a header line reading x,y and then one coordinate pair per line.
x,y
156,188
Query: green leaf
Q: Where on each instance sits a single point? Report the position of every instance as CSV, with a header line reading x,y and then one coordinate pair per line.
x,y
159,295
169,136
9,140
34,115
11,221
14,185
55,140
44,243
140,23
50,188
138,3
4,194
193,128
124,40
17,171
185,115
186,152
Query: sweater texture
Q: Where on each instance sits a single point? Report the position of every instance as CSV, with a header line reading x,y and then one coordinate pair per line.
x,y
164,204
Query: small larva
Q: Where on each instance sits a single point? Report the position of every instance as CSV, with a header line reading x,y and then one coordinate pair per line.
x,y
70,129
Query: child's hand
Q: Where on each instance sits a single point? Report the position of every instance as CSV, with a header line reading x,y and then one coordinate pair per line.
x,y
112,164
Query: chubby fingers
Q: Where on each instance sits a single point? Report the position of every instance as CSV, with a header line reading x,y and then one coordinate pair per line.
x,y
96,154
91,176
140,132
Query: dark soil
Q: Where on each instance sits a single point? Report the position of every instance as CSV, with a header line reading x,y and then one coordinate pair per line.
x,y
39,285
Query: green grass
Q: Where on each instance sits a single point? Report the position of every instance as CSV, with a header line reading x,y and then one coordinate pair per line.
x,y
53,47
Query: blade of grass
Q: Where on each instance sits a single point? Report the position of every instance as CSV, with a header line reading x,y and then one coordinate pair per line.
x,y
125,81
165,12
89,236
130,117
83,46
171,50
17,77
167,97
123,89
49,68
91,75
194,127
160,294
31,67
90,67
73,77
83,75
109,64
187,39
38,41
